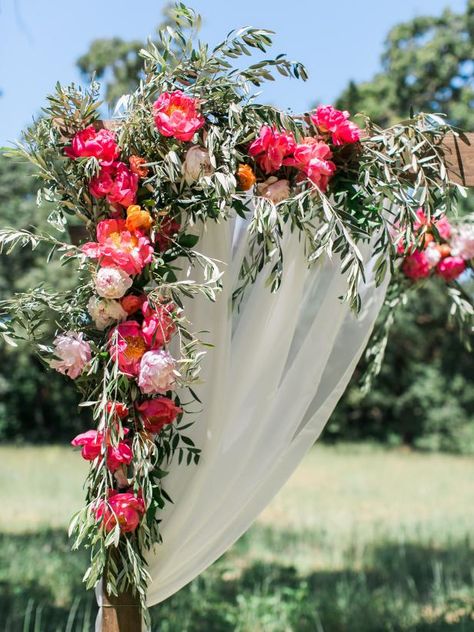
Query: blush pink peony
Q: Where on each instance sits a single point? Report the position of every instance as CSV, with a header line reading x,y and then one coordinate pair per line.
x,y
118,247
111,282
335,122
177,115
157,372
462,242
73,353
100,144
105,312
271,148
450,268
122,508
157,413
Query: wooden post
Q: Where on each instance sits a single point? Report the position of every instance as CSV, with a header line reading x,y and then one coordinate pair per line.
x,y
459,155
121,613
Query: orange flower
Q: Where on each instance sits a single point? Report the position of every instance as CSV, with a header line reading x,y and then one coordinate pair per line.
x,y
246,177
136,166
138,219
444,250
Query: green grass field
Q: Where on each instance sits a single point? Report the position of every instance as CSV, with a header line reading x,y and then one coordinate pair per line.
x,y
360,539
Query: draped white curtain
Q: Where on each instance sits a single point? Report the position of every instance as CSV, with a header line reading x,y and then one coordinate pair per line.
x,y
269,385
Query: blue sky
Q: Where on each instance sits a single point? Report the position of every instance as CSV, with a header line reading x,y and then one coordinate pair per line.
x,y
337,41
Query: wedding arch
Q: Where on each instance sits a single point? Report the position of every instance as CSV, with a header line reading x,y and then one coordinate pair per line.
x,y
231,262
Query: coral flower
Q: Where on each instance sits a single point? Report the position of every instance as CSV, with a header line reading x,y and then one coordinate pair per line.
x,y
132,303
117,409
138,219
118,247
127,346
89,142
157,413
271,148
137,166
335,122
246,177
122,508
312,158
177,115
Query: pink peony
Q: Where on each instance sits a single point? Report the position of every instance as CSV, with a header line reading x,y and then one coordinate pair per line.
x,y
177,115
197,163
73,352
117,183
91,443
462,243
416,266
335,122
100,144
450,268
271,148
312,158
127,346
157,413
157,372
158,325
110,283
274,190
123,508
118,247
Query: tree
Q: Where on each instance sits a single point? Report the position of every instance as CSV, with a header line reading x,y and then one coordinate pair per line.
x,y
423,396
426,65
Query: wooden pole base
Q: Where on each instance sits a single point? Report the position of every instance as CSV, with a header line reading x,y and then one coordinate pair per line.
x,y
121,613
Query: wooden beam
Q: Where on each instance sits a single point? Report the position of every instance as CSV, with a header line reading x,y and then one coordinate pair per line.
x,y
459,155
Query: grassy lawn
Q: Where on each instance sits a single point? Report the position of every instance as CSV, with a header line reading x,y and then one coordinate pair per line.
x,y
360,539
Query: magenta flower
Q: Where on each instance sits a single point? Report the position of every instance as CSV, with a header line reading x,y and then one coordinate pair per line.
x,y
450,268
335,122
100,144
271,148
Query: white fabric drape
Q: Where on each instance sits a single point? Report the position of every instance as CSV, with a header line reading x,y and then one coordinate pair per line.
x,y
269,385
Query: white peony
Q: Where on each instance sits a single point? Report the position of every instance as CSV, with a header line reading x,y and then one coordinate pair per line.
x,y
105,311
112,282
196,163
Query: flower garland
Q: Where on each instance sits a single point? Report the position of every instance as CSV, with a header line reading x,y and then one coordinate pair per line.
x,y
192,150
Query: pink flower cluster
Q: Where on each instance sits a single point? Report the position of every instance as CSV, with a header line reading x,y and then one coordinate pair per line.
x,y
336,123
274,149
93,443
440,253
115,181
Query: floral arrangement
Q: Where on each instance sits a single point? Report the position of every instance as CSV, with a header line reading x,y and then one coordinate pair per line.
x,y
193,147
